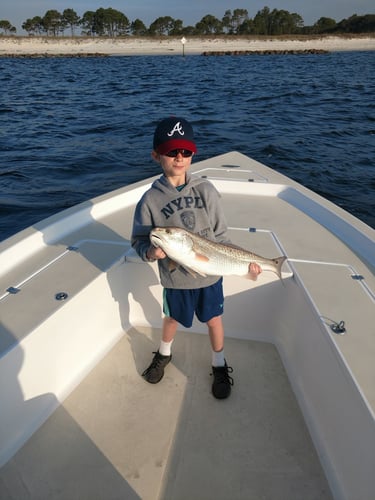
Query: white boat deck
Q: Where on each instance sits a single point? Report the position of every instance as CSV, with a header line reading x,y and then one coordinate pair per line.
x,y
116,436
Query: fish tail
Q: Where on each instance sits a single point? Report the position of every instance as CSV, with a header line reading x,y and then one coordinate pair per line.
x,y
279,261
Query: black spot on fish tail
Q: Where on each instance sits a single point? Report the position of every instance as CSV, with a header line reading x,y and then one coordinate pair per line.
x,y
279,261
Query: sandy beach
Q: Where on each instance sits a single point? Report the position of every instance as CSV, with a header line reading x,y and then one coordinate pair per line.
x,y
23,46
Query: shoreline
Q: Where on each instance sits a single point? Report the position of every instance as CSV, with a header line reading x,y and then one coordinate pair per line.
x,y
82,47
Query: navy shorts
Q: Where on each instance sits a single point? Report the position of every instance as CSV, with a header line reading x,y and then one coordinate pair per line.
x,y
206,303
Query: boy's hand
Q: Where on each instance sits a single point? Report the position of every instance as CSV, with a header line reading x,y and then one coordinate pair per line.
x,y
155,253
254,270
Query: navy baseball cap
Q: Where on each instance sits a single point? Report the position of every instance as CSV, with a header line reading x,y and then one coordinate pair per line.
x,y
174,133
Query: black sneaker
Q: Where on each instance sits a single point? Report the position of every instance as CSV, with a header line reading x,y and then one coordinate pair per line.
x,y
221,386
155,372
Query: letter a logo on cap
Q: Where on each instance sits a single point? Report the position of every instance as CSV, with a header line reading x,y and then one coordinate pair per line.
x,y
176,128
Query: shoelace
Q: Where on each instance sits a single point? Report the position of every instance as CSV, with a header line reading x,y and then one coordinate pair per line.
x,y
222,376
154,363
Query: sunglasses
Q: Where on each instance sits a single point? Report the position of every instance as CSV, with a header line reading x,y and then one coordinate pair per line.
x,y
185,153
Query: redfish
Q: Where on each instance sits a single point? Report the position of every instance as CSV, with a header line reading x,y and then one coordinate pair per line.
x,y
208,258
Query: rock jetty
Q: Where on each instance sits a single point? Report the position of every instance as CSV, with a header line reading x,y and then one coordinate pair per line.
x,y
262,52
43,55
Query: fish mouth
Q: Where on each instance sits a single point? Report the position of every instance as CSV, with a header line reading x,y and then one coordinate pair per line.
x,y
156,240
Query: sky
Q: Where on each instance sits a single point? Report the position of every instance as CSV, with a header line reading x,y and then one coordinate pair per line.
x,y
189,11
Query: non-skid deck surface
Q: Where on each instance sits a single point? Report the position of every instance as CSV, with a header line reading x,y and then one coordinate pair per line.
x,y
118,437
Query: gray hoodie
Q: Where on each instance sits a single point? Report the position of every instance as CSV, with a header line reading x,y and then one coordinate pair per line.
x,y
195,207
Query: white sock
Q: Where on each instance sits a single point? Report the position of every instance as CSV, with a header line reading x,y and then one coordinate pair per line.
x,y
218,358
165,348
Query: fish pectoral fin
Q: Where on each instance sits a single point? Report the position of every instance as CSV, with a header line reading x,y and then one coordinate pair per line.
x,y
173,265
201,258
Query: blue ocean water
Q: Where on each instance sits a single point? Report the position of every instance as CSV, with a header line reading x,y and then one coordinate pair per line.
x,y
72,128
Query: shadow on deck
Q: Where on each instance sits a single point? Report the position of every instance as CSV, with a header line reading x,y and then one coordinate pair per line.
x,y
118,437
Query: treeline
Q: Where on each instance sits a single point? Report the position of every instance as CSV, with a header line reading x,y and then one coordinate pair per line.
x,y
112,23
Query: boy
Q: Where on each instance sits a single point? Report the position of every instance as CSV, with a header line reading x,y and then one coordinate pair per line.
x,y
176,199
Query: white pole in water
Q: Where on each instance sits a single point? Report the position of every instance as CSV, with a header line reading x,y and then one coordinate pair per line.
x,y
183,41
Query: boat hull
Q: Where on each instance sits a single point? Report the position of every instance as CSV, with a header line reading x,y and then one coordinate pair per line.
x,y
73,288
